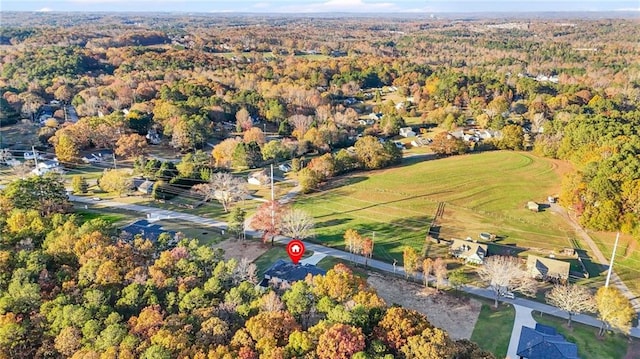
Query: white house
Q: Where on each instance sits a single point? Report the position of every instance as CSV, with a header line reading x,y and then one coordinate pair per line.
x,y
471,252
407,132
259,178
375,116
46,167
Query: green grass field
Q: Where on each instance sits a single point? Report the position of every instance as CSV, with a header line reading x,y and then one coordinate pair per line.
x,y
484,192
112,217
590,345
627,262
493,328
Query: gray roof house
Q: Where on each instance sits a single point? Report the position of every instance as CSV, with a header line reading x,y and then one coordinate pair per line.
x,y
544,343
145,229
283,271
407,132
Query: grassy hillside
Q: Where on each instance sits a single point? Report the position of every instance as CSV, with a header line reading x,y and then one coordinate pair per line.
x,y
485,192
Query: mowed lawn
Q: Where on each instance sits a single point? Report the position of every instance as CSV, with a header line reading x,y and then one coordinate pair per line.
x,y
485,192
627,263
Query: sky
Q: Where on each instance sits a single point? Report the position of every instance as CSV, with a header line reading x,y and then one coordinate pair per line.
x,y
314,6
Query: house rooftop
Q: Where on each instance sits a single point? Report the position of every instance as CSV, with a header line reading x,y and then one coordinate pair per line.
x,y
146,230
548,267
290,272
467,248
544,343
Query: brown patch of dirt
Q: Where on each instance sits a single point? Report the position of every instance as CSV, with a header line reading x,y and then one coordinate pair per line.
x,y
633,350
457,316
237,249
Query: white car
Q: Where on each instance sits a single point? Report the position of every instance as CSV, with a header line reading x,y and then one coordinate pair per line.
x,y
32,156
89,159
509,295
284,168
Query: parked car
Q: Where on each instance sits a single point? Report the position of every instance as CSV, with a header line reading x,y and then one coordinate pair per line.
x,y
89,159
285,167
509,295
32,156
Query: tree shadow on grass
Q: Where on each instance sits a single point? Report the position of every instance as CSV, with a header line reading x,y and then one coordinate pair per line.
x,y
378,205
504,249
333,222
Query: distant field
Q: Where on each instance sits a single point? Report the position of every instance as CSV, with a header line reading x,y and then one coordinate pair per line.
x,y
484,192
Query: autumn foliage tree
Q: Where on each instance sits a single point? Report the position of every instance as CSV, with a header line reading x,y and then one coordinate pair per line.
x,y
445,144
268,219
411,259
340,341
132,145
614,310
398,325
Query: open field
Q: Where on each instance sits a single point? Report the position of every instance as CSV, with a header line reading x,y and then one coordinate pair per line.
x,y
609,346
493,328
484,192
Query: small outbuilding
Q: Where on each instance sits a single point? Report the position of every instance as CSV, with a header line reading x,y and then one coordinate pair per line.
x,y
146,187
533,206
259,178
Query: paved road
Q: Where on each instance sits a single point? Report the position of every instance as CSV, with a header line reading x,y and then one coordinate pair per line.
x,y
523,319
374,263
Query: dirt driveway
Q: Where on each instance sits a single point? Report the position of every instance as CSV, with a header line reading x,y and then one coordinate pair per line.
x,y
457,316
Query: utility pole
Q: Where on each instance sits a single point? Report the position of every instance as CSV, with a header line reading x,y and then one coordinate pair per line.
x,y
373,242
35,155
615,246
114,161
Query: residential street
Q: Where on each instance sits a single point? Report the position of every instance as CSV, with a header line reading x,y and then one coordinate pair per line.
x,y
316,248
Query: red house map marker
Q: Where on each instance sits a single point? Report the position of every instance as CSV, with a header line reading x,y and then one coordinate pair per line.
x,y
295,250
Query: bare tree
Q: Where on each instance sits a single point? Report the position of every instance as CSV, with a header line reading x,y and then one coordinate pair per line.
x,y
297,224
301,124
223,187
271,302
506,274
571,298
245,271
440,272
